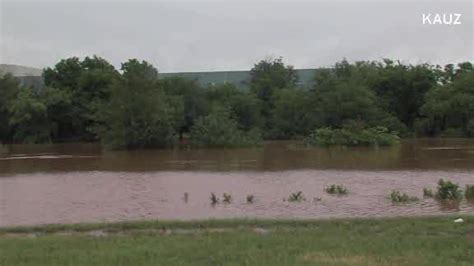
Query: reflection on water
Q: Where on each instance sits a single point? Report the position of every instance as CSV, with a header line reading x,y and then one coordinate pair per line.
x,y
274,156
80,183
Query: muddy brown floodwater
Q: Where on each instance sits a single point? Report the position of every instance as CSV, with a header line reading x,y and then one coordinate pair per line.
x,y
71,183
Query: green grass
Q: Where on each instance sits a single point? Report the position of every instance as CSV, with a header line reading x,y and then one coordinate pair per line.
x,y
387,241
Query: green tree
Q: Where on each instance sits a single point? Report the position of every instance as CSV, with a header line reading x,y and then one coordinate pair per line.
x,y
293,114
9,88
193,98
87,84
58,105
23,113
396,91
244,106
450,72
449,109
28,118
268,76
401,89
340,98
219,129
139,113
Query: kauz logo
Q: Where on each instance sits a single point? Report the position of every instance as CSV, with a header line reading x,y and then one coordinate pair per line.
x,y
442,19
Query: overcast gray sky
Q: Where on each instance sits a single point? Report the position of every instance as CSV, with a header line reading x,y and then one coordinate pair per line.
x,y
232,35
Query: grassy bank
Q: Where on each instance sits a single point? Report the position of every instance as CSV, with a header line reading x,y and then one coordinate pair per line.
x,y
388,241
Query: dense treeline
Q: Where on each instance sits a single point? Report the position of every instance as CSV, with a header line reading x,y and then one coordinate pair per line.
x,y
89,100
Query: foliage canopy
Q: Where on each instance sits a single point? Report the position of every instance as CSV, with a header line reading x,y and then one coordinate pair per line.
x,y
361,103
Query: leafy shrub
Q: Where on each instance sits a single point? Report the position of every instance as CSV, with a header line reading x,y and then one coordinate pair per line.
x,y
469,192
448,190
375,136
336,189
219,129
296,197
427,192
398,197
393,124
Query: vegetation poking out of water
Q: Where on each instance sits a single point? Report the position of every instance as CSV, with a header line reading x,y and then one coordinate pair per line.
x,y
250,198
448,190
352,136
317,199
214,199
296,197
336,189
227,198
469,192
186,197
89,100
419,241
398,197
427,193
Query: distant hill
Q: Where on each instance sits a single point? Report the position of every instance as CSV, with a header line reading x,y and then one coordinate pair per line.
x,y
20,71
30,76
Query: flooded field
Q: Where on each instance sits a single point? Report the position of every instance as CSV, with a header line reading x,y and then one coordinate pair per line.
x,y
80,183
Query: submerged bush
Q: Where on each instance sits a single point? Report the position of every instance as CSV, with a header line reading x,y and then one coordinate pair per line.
x,y
469,192
250,198
219,129
398,197
375,136
296,197
214,199
227,198
336,189
186,197
427,192
448,190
